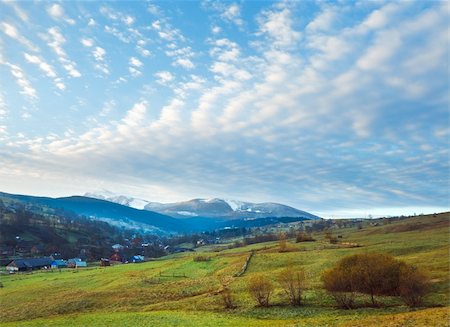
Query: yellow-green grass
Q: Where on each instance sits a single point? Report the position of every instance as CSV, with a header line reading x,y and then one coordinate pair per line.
x,y
153,293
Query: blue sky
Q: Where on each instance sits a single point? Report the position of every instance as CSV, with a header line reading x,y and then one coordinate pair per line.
x,y
338,108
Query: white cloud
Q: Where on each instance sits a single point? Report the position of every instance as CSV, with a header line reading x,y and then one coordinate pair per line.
x,y
22,14
3,107
164,77
135,62
87,42
55,40
13,33
56,11
184,62
278,25
232,13
323,22
134,72
128,20
92,22
229,12
26,88
99,53
46,68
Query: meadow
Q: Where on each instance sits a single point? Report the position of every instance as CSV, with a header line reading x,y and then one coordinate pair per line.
x,y
178,291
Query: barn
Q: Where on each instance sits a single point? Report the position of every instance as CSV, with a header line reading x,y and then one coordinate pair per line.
x,y
29,264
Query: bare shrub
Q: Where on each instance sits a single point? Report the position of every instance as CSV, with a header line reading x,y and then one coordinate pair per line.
x,y
375,274
200,258
304,237
340,287
260,288
225,292
292,282
413,285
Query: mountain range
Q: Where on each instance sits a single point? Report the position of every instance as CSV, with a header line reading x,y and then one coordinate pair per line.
x,y
157,218
210,208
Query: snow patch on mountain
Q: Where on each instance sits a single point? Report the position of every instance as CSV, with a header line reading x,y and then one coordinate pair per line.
x,y
120,199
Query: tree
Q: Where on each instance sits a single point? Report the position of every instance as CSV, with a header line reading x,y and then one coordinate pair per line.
x,y
260,288
282,242
292,282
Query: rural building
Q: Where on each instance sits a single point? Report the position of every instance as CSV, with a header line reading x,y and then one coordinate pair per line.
x,y
116,257
76,263
105,262
59,264
136,259
29,264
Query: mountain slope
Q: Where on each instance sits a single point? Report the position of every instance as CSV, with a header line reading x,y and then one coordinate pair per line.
x,y
110,212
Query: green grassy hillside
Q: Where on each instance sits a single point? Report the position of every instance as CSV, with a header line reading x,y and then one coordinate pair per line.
x,y
151,294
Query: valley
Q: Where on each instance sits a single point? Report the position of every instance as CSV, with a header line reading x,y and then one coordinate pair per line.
x,y
177,290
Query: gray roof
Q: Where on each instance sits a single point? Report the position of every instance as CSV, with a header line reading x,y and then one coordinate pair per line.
x,y
32,262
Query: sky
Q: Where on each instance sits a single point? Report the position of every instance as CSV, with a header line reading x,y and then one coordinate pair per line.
x,y
339,108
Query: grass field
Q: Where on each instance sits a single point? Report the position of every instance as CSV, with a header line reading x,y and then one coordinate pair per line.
x,y
147,294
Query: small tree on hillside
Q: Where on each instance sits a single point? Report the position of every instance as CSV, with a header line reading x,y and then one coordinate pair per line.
x,y
292,282
282,243
260,288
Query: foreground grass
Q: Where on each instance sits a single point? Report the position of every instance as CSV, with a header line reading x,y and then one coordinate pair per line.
x,y
138,295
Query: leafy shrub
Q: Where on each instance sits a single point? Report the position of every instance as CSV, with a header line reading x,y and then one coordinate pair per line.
x,y
292,282
260,288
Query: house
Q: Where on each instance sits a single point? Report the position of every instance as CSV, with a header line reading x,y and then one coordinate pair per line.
x,y
76,263
136,259
59,264
116,257
105,262
29,264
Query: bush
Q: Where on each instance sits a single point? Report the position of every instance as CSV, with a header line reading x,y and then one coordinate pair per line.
x,y
227,298
282,243
260,288
303,237
201,258
374,274
340,286
413,285
292,282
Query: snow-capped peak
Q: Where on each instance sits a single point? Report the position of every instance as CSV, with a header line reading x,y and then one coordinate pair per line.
x,y
234,204
120,199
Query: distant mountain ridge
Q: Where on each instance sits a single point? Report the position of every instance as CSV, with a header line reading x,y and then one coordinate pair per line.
x,y
112,213
213,208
